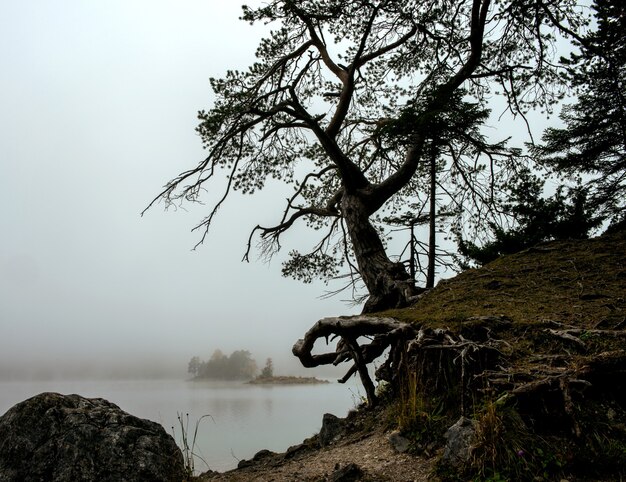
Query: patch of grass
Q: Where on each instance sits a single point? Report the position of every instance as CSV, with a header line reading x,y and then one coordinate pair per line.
x,y
188,443
409,404
602,448
418,415
613,451
505,449
554,316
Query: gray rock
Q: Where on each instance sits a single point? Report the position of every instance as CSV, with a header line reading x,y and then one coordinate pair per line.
x,y
332,429
263,454
293,451
398,442
58,438
459,438
347,473
243,463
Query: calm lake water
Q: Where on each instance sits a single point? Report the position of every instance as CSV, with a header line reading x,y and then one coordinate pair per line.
x,y
245,418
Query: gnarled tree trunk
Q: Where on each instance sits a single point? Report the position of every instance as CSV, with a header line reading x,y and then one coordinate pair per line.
x,y
388,283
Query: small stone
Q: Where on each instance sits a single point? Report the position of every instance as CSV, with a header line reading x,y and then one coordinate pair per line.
x,y
398,442
348,473
243,463
293,451
263,454
460,437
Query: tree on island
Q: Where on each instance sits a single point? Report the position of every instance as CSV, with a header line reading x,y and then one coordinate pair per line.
x,y
345,104
194,366
268,369
238,366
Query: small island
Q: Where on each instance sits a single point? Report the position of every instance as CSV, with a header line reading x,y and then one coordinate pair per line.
x,y
267,377
286,380
240,365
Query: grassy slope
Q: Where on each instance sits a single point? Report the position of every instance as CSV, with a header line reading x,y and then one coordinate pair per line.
x,y
580,283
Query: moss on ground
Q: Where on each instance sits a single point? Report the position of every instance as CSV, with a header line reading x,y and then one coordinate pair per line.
x,y
579,283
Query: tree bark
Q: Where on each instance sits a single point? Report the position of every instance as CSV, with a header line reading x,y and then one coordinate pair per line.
x,y
412,247
388,283
432,237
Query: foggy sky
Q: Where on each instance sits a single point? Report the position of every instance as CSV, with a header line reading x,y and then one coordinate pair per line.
x,y
99,103
98,110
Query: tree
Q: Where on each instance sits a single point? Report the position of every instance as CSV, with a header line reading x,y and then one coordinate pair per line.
x,y
534,218
454,185
194,366
238,366
241,365
593,140
344,103
268,369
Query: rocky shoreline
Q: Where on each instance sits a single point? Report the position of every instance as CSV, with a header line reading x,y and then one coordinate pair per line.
x,y
58,438
359,447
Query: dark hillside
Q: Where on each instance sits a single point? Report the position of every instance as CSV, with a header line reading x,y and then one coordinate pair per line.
x,y
532,348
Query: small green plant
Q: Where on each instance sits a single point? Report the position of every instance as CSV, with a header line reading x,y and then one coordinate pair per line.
x,y
409,404
188,450
418,416
605,448
495,477
358,399
548,460
504,449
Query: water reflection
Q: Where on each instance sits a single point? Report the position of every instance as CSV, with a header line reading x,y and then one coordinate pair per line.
x,y
246,418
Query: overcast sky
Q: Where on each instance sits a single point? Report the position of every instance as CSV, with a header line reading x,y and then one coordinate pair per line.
x,y
98,109
98,103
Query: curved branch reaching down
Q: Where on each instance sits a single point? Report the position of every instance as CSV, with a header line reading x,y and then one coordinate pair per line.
x,y
385,332
275,231
332,202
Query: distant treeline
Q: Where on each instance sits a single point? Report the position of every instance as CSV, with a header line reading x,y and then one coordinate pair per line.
x,y
238,366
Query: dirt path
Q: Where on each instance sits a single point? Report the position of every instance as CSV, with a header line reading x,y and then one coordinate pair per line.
x,y
372,453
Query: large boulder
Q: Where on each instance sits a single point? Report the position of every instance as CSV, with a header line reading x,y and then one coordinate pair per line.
x,y
53,437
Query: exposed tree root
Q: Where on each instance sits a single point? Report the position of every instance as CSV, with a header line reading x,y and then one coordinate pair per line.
x,y
561,387
383,333
408,347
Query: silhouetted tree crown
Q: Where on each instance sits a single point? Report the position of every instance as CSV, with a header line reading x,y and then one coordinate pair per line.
x,y
592,143
349,100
